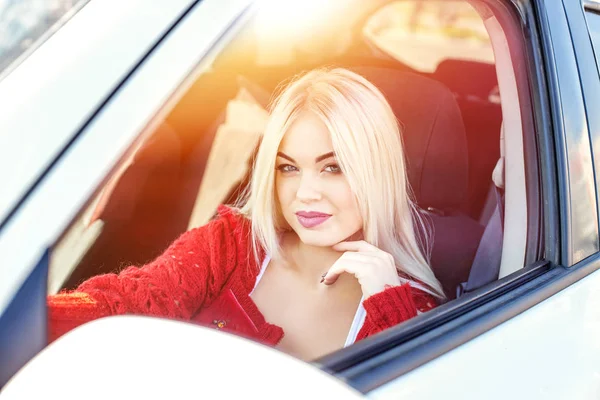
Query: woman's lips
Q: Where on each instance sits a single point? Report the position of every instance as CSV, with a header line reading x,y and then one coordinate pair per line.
x,y
310,219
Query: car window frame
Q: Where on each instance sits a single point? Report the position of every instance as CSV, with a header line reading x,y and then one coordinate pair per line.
x,y
102,145
590,87
595,43
588,55
578,212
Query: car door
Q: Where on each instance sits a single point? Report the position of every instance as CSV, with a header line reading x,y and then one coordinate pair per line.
x,y
70,129
538,338
508,332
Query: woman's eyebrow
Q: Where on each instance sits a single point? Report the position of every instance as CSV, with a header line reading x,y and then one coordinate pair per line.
x,y
283,155
325,156
318,159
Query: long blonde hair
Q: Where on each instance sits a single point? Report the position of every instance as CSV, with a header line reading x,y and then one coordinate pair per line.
x,y
367,142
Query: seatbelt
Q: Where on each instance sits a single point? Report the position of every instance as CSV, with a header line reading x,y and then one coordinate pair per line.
x,y
486,265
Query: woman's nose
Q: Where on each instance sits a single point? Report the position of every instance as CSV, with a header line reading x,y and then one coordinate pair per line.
x,y
309,189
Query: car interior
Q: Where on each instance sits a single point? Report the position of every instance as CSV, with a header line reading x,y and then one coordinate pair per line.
x,y
445,67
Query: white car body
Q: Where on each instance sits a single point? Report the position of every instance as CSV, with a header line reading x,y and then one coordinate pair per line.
x,y
543,345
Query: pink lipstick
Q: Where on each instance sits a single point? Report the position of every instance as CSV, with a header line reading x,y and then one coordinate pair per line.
x,y
310,219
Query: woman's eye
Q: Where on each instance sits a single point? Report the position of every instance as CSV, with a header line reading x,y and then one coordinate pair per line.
x,y
333,168
286,168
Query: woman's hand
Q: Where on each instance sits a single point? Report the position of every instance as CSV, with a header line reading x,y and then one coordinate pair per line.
x,y
374,268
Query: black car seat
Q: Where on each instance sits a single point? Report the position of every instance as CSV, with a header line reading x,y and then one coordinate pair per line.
x,y
437,156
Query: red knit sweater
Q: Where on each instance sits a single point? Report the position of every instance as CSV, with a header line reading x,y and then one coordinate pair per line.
x,y
206,277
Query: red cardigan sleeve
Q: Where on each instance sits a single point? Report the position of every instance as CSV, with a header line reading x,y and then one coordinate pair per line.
x,y
393,306
175,285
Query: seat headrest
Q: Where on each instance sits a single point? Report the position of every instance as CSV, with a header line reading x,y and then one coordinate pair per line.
x,y
434,136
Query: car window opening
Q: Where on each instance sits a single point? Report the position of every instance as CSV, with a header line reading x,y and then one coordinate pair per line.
x,y
447,74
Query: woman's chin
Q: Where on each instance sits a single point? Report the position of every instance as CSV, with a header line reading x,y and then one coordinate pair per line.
x,y
319,239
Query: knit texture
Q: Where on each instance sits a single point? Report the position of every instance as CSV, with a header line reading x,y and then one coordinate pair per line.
x,y
206,277
392,306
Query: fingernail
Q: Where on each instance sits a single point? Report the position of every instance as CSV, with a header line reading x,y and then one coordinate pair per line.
x,y
323,277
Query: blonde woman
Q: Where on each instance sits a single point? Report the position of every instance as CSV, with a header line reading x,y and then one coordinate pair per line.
x,y
322,251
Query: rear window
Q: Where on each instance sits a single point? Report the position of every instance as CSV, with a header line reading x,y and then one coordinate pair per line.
x,y
423,34
25,24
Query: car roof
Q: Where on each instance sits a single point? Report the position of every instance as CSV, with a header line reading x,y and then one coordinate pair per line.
x,y
50,96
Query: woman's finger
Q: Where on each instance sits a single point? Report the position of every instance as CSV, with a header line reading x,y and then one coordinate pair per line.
x,y
362,257
340,267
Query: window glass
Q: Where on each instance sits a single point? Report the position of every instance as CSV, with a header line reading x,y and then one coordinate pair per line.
x,y
25,24
422,34
593,22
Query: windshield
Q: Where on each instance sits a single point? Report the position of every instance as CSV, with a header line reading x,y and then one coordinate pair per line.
x,y
25,24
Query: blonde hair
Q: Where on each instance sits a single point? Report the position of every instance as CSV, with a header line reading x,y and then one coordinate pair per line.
x,y
368,146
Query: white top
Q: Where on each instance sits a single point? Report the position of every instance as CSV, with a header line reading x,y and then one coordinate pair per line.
x,y
357,322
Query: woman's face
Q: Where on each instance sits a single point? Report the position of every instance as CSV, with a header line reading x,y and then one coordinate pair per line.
x,y
313,193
